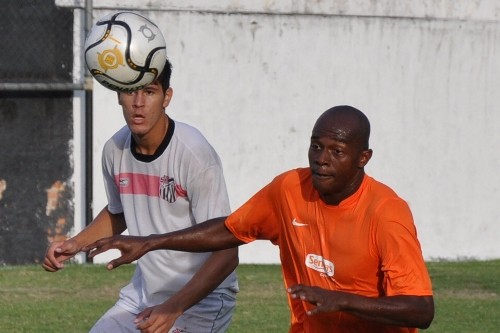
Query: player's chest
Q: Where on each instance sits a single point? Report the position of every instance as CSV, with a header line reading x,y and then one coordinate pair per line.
x,y
331,244
156,180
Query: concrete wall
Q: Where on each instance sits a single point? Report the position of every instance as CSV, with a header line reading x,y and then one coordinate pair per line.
x,y
254,76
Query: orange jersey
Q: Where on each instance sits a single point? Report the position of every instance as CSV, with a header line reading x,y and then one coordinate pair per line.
x,y
366,245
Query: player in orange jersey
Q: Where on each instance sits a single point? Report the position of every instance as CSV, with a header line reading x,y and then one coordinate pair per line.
x,y
348,245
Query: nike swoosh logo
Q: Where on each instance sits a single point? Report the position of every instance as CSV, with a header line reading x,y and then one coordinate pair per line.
x,y
298,224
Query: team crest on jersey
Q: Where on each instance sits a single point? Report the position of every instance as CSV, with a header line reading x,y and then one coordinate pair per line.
x,y
169,190
320,264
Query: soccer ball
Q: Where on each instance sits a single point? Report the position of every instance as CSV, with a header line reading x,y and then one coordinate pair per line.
x,y
125,51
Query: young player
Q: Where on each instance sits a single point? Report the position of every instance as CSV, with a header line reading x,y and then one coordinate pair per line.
x,y
160,176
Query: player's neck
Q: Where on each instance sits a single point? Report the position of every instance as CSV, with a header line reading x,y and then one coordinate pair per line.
x,y
335,199
148,144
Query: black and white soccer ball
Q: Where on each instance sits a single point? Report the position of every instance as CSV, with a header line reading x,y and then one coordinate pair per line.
x,y
125,51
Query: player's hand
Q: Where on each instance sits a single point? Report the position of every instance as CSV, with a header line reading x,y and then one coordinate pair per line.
x,y
131,248
323,300
157,319
57,253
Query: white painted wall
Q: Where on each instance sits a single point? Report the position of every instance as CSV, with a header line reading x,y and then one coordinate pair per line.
x,y
254,76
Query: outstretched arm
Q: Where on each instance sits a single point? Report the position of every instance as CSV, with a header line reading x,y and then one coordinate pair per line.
x,y
209,236
404,311
105,224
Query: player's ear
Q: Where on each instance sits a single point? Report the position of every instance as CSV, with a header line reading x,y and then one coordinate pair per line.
x,y
168,96
364,158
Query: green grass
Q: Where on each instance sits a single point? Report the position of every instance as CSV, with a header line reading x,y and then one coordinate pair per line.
x,y
32,300
467,296
261,303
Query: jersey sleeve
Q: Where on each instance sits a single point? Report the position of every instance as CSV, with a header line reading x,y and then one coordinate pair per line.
x,y
209,198
112,191
258,218
402,263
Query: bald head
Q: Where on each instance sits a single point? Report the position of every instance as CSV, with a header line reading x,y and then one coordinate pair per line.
x,y
344,123
339,152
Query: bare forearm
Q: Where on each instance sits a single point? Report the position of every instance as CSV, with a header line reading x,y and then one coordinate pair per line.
x,y
104,225
404,311
209,236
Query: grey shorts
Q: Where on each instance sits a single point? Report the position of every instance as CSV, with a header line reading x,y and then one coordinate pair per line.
x,y
212,315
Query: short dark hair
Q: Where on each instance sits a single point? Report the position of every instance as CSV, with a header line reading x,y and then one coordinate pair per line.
x,y
164,77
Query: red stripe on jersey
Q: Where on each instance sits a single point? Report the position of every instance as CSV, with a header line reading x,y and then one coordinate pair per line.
x,y
136,183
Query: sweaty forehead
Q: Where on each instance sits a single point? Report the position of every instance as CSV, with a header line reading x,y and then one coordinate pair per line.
x,y
336,134
340,129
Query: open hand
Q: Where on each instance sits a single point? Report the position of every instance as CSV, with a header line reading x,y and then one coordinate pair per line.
x,y
131,248
324,300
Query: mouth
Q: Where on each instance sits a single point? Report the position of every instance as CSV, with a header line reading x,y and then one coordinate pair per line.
x,y
321,175
137,119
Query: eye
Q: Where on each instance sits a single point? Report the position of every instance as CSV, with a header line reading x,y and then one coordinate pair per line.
x,y
338,152
314,146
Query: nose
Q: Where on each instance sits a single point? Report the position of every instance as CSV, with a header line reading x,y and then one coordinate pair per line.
x,y
139,98
321,157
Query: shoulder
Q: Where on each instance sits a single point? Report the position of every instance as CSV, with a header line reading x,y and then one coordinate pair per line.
x,y
292,179
379,190
193,143
294,176
386,203
118,140
188,132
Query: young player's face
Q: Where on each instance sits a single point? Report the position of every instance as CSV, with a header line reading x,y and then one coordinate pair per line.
x,y
336,162
144,110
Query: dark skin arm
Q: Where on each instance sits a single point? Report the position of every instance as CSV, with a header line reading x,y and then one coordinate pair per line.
x,y
209,236
406,311
403,311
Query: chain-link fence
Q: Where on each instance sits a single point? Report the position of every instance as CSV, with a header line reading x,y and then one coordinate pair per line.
x,y
38,41
38,74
